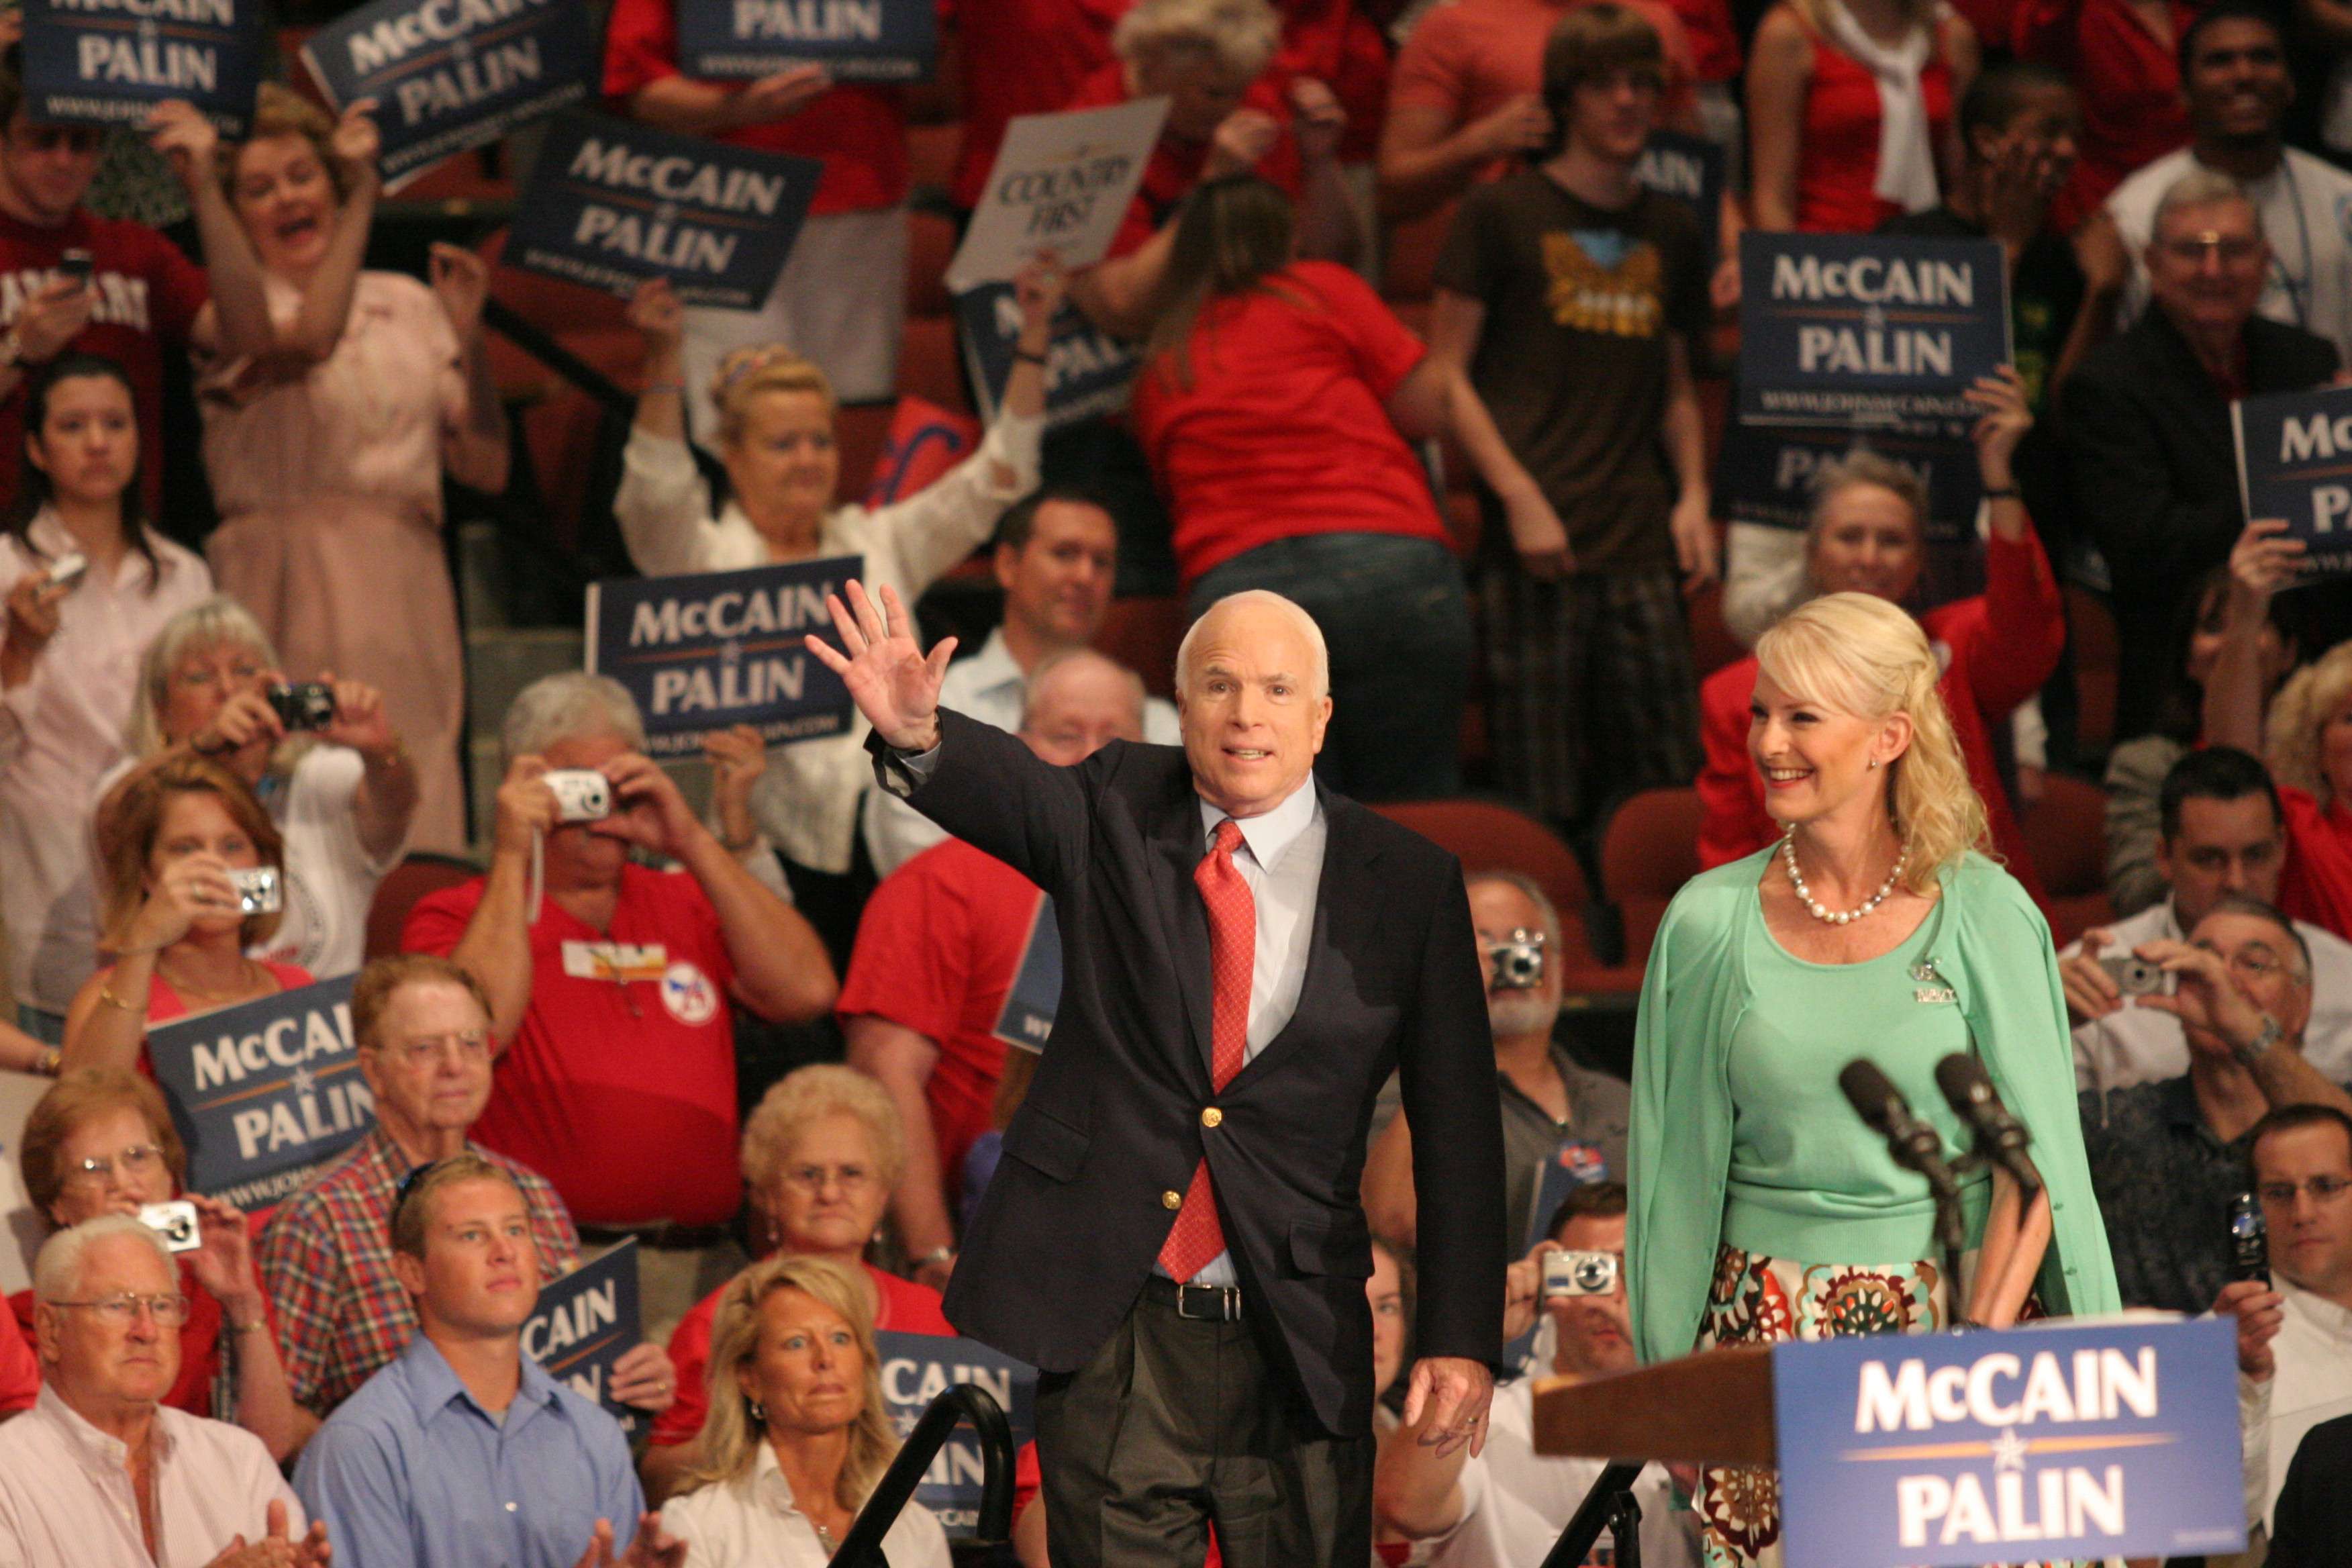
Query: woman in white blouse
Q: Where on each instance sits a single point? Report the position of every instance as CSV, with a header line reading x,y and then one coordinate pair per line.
x,y
796,1436
775,439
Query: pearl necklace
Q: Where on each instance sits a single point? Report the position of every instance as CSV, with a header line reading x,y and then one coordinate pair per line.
x,y
1804,894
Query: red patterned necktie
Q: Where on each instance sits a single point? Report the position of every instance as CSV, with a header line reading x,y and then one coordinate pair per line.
x,y
1196,1237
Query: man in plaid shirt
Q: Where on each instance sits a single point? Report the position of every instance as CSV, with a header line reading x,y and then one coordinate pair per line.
x,y
423,1027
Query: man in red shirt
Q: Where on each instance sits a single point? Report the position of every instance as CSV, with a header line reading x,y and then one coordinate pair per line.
x,y
142,292
957,957
610,1000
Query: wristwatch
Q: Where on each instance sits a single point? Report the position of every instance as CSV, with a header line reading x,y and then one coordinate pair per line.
x,y
937,1255
2251,1053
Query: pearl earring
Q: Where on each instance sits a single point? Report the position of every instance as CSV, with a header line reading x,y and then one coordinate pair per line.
x,y
759,1413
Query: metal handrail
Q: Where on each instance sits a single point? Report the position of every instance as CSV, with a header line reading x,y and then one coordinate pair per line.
x,y
862,1547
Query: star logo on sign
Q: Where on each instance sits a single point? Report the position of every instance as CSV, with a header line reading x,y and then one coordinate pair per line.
x,y
1875,318
731,651
304,1080
664,211
2009,1451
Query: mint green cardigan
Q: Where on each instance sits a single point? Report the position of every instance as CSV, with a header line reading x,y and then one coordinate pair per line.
x,y
1991,947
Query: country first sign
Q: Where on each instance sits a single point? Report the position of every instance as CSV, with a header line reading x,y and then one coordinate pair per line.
x,y
100,62
2294,461
2060,1442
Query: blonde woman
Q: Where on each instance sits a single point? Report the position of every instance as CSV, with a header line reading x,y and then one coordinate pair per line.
x,y
796,1435
1875,927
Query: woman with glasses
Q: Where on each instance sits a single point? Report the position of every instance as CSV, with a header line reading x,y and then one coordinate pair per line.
x,y
100,1141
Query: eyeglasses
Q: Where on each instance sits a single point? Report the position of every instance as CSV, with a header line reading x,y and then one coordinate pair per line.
x,y
2323,1189
470,1044
812,1179
123,1310
139,1160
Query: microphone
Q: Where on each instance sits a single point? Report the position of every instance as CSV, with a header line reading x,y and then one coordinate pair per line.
x,y
1915,1146
1998,1132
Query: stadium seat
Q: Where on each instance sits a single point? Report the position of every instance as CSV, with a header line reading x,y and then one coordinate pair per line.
x,y
2066,834
1648,851
416,875
1489,836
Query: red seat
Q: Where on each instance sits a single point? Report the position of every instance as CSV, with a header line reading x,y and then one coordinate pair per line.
x,y
1648,851
2098,662
2066,835
417,875
931,364
1488,836
930,246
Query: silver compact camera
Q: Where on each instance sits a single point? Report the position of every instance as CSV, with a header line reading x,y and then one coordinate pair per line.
x,y
1518,963
67,569
176,1222
582,795
1579,1274
257,891
2135,976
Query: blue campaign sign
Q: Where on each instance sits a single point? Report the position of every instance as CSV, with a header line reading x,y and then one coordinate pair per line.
x,y
915,1369
610,203
2294,461
265,1092
1690,169
447,75
854,40
1088,372
1026,1018
2067,1441
1765,473
707,650
584,1322
1855,329
98,62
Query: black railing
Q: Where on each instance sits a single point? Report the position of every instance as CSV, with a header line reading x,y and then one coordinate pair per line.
x,y
1609,1505
862,1547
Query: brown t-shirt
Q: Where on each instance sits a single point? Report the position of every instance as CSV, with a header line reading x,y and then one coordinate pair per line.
x,y
1572,359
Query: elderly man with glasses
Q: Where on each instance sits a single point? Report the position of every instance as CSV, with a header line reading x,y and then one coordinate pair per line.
x,y
2167,1158
423,1027
102,1473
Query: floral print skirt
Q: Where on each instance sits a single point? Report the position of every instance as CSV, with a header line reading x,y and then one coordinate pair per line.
x,y
1756,1299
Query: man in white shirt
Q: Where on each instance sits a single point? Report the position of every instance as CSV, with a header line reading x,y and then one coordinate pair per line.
x,y
2221,832
99,1473
1057,557
1506,1507
2234,73
2294,1340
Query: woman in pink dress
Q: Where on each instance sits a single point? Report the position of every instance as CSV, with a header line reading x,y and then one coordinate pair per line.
x,y
326,448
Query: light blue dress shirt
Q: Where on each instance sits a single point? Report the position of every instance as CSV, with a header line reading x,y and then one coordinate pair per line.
x,y
410,1472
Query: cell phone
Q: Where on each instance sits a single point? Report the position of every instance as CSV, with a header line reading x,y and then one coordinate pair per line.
x,y
582,795
257,891
176,1222
67,569
1579,1274
77,265
2135,976
308,706
2250,1240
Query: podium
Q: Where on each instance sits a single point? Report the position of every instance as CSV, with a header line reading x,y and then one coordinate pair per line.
x,y
2065,1440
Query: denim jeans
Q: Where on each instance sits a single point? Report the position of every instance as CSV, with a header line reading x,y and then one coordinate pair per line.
x,y
1396,616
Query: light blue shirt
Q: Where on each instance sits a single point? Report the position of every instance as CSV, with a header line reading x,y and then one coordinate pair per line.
x,y
410,1472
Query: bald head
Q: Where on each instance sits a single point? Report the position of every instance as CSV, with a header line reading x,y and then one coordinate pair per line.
x,y
1252,683
1078,701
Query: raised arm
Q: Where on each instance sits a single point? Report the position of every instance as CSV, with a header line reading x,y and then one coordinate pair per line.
x,y
2018,643
474,449
192,146
496,947
2261,564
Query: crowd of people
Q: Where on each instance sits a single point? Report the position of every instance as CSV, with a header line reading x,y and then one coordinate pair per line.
x,y
1015,923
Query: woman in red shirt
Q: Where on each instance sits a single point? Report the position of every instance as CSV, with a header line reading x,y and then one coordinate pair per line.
x,y
1276,404
1850,111
1997,648
2123,55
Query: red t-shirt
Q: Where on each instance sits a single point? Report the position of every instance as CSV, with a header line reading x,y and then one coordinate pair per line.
x,y
936,952
2316,885
1175,165
858,130
1022,57
1338,45
621,1092
20,1374
1837,150
1284,430
148,295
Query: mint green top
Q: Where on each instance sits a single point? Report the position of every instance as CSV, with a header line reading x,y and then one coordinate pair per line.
x,y
1810,1181
1708,974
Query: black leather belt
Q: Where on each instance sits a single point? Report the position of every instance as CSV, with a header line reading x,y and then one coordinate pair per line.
x,y
1200,1303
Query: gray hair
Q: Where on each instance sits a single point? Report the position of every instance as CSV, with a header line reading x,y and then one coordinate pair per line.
x,y
1241,35
2269,914
1863,467
2201,187
56,1269
568,703
208,622
1318,673
1536,896
1071,658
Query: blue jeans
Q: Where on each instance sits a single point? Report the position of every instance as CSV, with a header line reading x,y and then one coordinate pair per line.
x,y
1396,616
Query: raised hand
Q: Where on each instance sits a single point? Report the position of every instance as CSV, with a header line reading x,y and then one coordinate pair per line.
x,y
1318,120
359,721
355,140
461,281
2263,560
1242,138
738,757
893,684
1039,289
188,141
2003,419
655,310
1521,125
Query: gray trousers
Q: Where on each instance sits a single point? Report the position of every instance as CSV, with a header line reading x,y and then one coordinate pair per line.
x,y
1176,1423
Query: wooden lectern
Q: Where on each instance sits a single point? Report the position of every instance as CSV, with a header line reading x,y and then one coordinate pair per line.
x,y
1715,1407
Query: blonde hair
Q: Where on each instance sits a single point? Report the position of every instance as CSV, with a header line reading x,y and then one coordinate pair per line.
x,y
1862,656
2312,695
280,110
756,368
729,1443
133,815
217,622
1239,36
805,1095
1918,12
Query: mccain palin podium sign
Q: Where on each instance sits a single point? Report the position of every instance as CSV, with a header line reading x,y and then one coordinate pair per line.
x,y
2294,461
102,62
853,40
264,1093
2062,1442
1857,331
708,650
450,75
610,204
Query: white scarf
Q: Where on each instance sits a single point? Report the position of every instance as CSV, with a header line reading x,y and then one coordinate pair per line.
x,y
1907,154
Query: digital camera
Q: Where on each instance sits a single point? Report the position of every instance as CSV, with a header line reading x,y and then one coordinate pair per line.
x,y
176,1222
2135,976
77,264
582,795
308,706
1579,1274
256,890
1517,964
